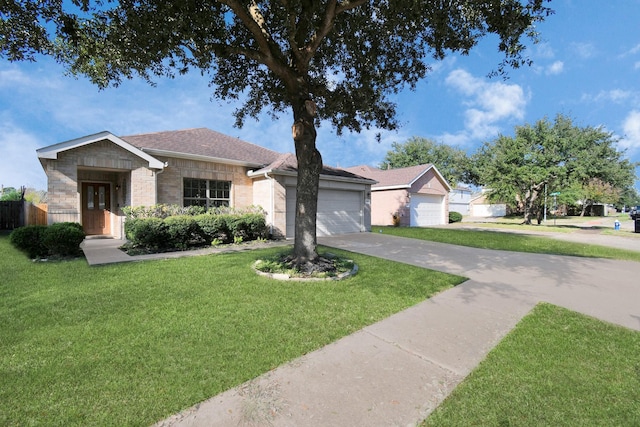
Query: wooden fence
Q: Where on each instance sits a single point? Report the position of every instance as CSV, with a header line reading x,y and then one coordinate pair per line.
x,y
36,214
14,214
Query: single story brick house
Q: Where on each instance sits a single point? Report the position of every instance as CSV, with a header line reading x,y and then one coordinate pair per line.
x,y
417,195
91,178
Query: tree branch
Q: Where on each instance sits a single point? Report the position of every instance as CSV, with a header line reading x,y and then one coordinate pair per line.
x,y
269,52
331,12
254,22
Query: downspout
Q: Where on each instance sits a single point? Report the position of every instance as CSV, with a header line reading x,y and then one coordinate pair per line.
x,y
271,201
158,172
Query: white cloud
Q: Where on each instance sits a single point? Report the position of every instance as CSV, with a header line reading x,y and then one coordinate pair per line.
x,y
617,96
544,50
555,68
459,139
631,129
583,50
634,50
13,76
20,165
489,104
351,149
28,77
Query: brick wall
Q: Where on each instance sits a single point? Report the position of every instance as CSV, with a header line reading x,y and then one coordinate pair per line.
x,y
95,162
170,181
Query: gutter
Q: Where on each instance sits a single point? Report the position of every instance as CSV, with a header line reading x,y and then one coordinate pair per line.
x,y
271,200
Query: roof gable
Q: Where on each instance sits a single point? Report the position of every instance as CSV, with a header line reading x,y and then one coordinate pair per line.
x,y
203,143
52,151
396,178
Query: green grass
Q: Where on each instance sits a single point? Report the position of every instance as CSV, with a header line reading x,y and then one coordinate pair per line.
x,y
130,344
560,225
556,368
510,242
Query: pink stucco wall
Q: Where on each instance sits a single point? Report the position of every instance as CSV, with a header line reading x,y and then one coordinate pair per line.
x,y
387,202
384,203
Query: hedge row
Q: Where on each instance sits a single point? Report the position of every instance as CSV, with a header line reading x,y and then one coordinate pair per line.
x,y
163,211
186,231
41,241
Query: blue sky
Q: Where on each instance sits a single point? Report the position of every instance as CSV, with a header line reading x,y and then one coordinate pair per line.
x,y
587,67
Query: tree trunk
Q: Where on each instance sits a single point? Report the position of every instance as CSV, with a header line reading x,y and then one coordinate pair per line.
x,y
529,202
583,210
309,168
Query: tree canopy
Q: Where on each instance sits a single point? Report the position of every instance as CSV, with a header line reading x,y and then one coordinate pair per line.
x,y
333,60
451,162
581,163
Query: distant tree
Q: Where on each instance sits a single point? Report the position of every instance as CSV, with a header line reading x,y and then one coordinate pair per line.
x,y
579,162
34,196
595,167
11,194
450,161
334,60
596,191
628,197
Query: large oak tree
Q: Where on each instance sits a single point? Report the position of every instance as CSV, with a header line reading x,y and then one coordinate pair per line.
x,y
320,60
580,163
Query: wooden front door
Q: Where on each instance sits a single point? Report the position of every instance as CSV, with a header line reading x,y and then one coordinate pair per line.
x,y
96,206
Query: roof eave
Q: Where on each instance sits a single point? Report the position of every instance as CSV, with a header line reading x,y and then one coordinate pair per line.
x,y
391,187
262,172
52,151
187,156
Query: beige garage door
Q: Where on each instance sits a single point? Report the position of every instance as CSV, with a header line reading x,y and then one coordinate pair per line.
x,y
339,212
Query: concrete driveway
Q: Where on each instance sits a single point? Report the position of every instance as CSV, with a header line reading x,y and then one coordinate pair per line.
x,y
397,371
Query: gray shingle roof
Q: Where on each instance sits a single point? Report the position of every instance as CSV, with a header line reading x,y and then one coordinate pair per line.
x,y
391,177
203,142
288,163
209,143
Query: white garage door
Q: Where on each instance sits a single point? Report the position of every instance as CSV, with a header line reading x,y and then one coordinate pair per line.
x,y
488,211
339,212
427,210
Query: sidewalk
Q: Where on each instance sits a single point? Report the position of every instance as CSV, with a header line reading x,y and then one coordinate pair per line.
x,y
397,371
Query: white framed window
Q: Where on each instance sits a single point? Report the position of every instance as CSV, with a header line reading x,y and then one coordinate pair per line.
x,y
206,192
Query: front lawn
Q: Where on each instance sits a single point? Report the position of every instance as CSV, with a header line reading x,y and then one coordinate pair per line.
x,y
131,344
556,368
509,242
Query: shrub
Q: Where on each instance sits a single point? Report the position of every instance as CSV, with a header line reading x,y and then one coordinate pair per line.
x,y
213,227
184,231
455,217
29,239
161,211
248,226
147,233
149,229
63,239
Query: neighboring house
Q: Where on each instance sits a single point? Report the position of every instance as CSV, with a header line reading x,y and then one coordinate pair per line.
x,y
91,178
481,207
417,195
459,199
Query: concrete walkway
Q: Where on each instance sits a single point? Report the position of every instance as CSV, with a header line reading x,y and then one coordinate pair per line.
x,y
398,370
